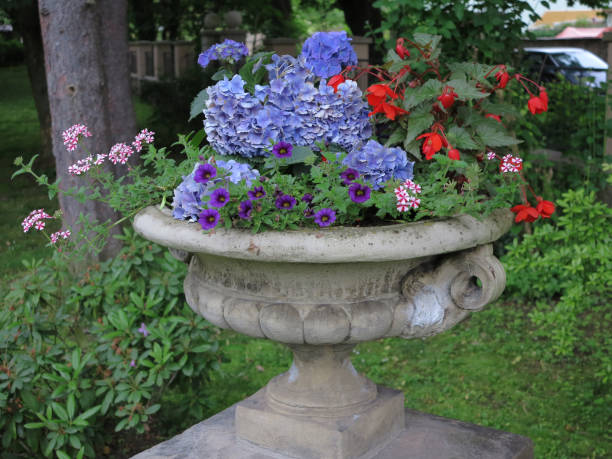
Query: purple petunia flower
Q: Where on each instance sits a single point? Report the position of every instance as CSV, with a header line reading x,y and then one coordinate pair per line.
x,y
209,218
219,197
325,217
285,202
282,149
244,210
205,173
349,176
359,192
256,193
143,329
308,212
307,198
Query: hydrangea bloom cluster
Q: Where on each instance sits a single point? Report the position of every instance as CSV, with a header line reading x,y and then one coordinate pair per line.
x,y
35,219
377,164
327,53
511,164
406,196
290,109
230,50
73,134
187,203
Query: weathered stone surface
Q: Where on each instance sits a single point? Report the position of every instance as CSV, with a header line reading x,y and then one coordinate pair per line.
x,y
425,437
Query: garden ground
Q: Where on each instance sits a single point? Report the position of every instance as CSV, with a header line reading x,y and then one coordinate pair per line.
x,y
485,370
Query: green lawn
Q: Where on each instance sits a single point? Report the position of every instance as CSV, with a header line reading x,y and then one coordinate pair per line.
x,y
484,371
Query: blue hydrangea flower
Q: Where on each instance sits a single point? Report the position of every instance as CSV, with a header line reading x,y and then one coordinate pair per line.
x,y
229,50
327,53
187,203
378,164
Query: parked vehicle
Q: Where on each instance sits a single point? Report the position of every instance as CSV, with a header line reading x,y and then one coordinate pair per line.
x,y
576,65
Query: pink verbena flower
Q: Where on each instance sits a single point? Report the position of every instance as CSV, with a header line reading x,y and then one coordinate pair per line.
x,y
405,196
511,164
81,166
414,187
59,234
35,219
490,156
119,153
145,136
72,135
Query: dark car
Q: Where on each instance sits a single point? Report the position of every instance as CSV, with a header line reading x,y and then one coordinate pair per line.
x,y
576,65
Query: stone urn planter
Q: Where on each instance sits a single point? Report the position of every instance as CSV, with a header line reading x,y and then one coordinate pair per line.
x,y
320,292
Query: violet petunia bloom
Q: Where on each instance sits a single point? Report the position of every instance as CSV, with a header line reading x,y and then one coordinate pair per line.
x,y
244,210
219,198
307,198
349,176
285,202
143,329
205,173
256,193
325,217
359,193
282,150
209,218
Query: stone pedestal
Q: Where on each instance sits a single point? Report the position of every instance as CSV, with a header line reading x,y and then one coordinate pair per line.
x,y
423,436
320,293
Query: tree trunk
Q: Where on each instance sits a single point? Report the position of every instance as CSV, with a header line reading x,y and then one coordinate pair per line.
x,y
27,25
86,61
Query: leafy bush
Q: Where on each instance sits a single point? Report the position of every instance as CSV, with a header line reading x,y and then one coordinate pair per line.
x,y
11,52
566,270
81,360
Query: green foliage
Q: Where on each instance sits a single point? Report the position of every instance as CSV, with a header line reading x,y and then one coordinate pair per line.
x,y
11,52
483,31
566,270
74,360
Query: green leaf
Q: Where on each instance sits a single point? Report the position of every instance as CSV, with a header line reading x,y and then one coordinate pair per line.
x,y
60,411
396,137
74,441
34,425
299,155
71,405
418,122
429,91
466,90
75,359
495,137
89,413
460,138
221,74
61,454
153,409
198,104
500,108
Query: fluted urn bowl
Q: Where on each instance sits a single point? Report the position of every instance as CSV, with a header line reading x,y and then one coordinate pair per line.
x,y
321,292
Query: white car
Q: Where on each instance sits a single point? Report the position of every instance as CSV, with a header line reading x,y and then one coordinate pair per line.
x,y
577,65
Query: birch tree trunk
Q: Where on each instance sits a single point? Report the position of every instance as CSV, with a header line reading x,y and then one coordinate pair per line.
x,y
86,63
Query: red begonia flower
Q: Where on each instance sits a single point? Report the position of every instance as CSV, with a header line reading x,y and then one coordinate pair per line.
x,y
390,110
525,212
493,117
401,51
447,99
538,104
335,81
502,78
453,153
545,208
432,144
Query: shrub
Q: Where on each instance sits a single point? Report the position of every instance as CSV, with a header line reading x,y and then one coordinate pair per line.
x,y
116,350
566,270
11,52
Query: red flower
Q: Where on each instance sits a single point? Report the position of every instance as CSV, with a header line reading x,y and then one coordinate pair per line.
x,y
525,212
432,144
538,104
402,52
377,95
447,99
335,81
493,117
545,208
502,77
453,153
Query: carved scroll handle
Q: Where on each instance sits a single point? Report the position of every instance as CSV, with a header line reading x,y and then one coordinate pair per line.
x,y
180,255
481,279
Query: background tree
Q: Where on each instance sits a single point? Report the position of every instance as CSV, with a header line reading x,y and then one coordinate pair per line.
x,y
24,17
86,61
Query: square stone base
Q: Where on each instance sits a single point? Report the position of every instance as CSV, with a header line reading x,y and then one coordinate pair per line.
x,y
424,437
336,438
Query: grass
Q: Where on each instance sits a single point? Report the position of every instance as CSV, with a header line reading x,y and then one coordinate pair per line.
x,y
486,370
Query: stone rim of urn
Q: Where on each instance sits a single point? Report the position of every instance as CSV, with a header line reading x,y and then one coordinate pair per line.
x,y
321,292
